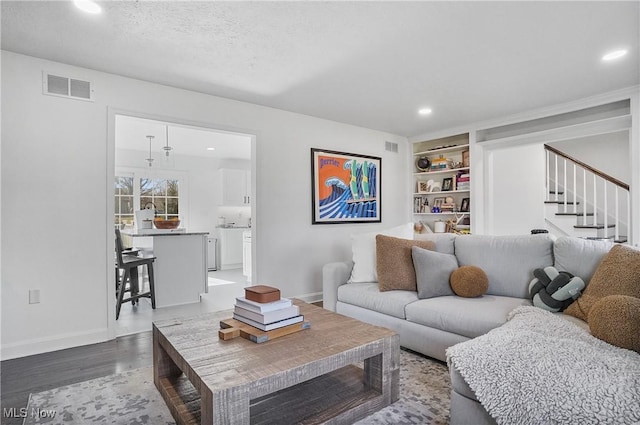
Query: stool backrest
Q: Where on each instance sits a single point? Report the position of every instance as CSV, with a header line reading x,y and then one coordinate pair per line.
x,y
119,247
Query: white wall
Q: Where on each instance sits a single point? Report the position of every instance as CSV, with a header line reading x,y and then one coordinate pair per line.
x,y
514,189
57,169
608,153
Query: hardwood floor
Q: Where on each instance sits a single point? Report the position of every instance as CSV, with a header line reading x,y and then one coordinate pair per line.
x,y
32,374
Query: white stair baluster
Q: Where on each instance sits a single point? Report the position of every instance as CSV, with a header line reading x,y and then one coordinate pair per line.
x,y
564,184
584,197
556,178
595,202
606,209
575,191
616,234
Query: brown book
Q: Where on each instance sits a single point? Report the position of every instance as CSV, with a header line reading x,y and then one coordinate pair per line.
x,y
262,293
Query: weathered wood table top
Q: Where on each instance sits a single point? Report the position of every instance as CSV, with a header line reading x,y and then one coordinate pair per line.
x,y
305,377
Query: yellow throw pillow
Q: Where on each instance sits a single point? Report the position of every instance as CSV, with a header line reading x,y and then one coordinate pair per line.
x,y
395,264
616,319
617,274
469,281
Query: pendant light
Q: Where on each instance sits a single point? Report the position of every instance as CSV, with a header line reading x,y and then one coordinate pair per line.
x,y
167,148
150,159
167,159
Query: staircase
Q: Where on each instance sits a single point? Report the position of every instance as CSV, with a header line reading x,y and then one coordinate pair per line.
x,y
583,201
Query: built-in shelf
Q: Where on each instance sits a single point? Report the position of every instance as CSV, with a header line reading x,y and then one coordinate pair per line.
x,y
452,151
444,213
441,193
448,170
442,150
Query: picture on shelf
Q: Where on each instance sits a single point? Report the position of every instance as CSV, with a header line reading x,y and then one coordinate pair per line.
x,y
465,158
423,187
464,207
437,202
447,184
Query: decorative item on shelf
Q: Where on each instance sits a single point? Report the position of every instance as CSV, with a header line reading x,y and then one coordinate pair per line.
x,y
437,204
457,164
423,187
439,226
447,184
440,163
434,186
420,205
464,207
423,163
418,227
465,158
462,181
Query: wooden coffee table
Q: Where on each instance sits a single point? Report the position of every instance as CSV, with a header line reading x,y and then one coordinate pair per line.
x,y
311,376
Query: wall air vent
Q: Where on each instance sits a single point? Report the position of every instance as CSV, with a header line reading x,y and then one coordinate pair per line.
x,y
56,85
391,147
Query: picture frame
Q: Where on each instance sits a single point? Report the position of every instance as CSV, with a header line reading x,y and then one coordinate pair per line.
x,y
447,184
423,187
437,202
464,206
345,187
465,158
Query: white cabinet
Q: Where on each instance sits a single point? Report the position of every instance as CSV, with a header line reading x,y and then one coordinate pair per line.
x,y
236,187
246,254
442,184
230,248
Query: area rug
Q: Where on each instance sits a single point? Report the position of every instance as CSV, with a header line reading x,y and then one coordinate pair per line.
x,y
131,398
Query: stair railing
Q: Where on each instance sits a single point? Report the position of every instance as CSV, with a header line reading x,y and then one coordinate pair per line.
x,y
556,159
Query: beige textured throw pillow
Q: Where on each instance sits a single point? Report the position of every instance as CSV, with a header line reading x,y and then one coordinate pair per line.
x,y
395,264
617,274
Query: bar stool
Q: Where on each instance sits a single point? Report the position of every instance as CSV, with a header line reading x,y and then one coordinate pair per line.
x,y
129,266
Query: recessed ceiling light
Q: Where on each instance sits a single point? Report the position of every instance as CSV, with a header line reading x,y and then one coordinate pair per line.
x,y
88,6
425,111
614,55
211,149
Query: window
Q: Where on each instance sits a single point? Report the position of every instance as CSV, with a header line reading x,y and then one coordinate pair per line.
x,y
162,194
134,191
124,200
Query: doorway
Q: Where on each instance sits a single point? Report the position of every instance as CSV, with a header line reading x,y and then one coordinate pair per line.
x,y
176,168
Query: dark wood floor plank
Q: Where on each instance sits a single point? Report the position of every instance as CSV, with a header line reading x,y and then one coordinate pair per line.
x,y
32,374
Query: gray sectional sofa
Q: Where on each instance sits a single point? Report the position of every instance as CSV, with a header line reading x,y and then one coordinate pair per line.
x,y
431,325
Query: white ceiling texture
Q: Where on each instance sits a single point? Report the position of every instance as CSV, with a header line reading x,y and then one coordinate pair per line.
x,y
371,64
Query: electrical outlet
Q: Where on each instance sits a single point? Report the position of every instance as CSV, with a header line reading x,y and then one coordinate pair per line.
x,y
34,296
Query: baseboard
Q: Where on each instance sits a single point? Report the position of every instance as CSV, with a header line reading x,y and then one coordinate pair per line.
x,y
310,298
53,343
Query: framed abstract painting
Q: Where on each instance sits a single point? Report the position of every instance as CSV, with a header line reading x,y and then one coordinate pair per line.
x,y
345,187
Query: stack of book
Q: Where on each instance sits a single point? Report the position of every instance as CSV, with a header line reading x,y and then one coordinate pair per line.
x,y
462,182
264,309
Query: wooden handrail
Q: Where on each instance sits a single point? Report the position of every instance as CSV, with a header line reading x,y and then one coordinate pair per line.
x,y
588,167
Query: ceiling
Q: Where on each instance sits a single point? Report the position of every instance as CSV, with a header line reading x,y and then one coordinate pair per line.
x,y
132,132
371,64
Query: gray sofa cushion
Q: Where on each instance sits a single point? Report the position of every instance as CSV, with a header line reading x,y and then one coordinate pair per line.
x,y
470,317
367,295
578,256
444,241
508,261
432,272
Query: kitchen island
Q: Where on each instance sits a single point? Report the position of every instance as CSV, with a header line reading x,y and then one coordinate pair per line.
x,y
180,268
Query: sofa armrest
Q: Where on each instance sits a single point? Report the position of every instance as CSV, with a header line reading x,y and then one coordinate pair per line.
x,y
334,275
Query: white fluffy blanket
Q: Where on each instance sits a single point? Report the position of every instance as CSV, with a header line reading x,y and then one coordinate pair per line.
x,y
541,369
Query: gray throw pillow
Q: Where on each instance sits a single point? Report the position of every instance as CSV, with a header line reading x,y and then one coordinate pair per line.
x,y
432,272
